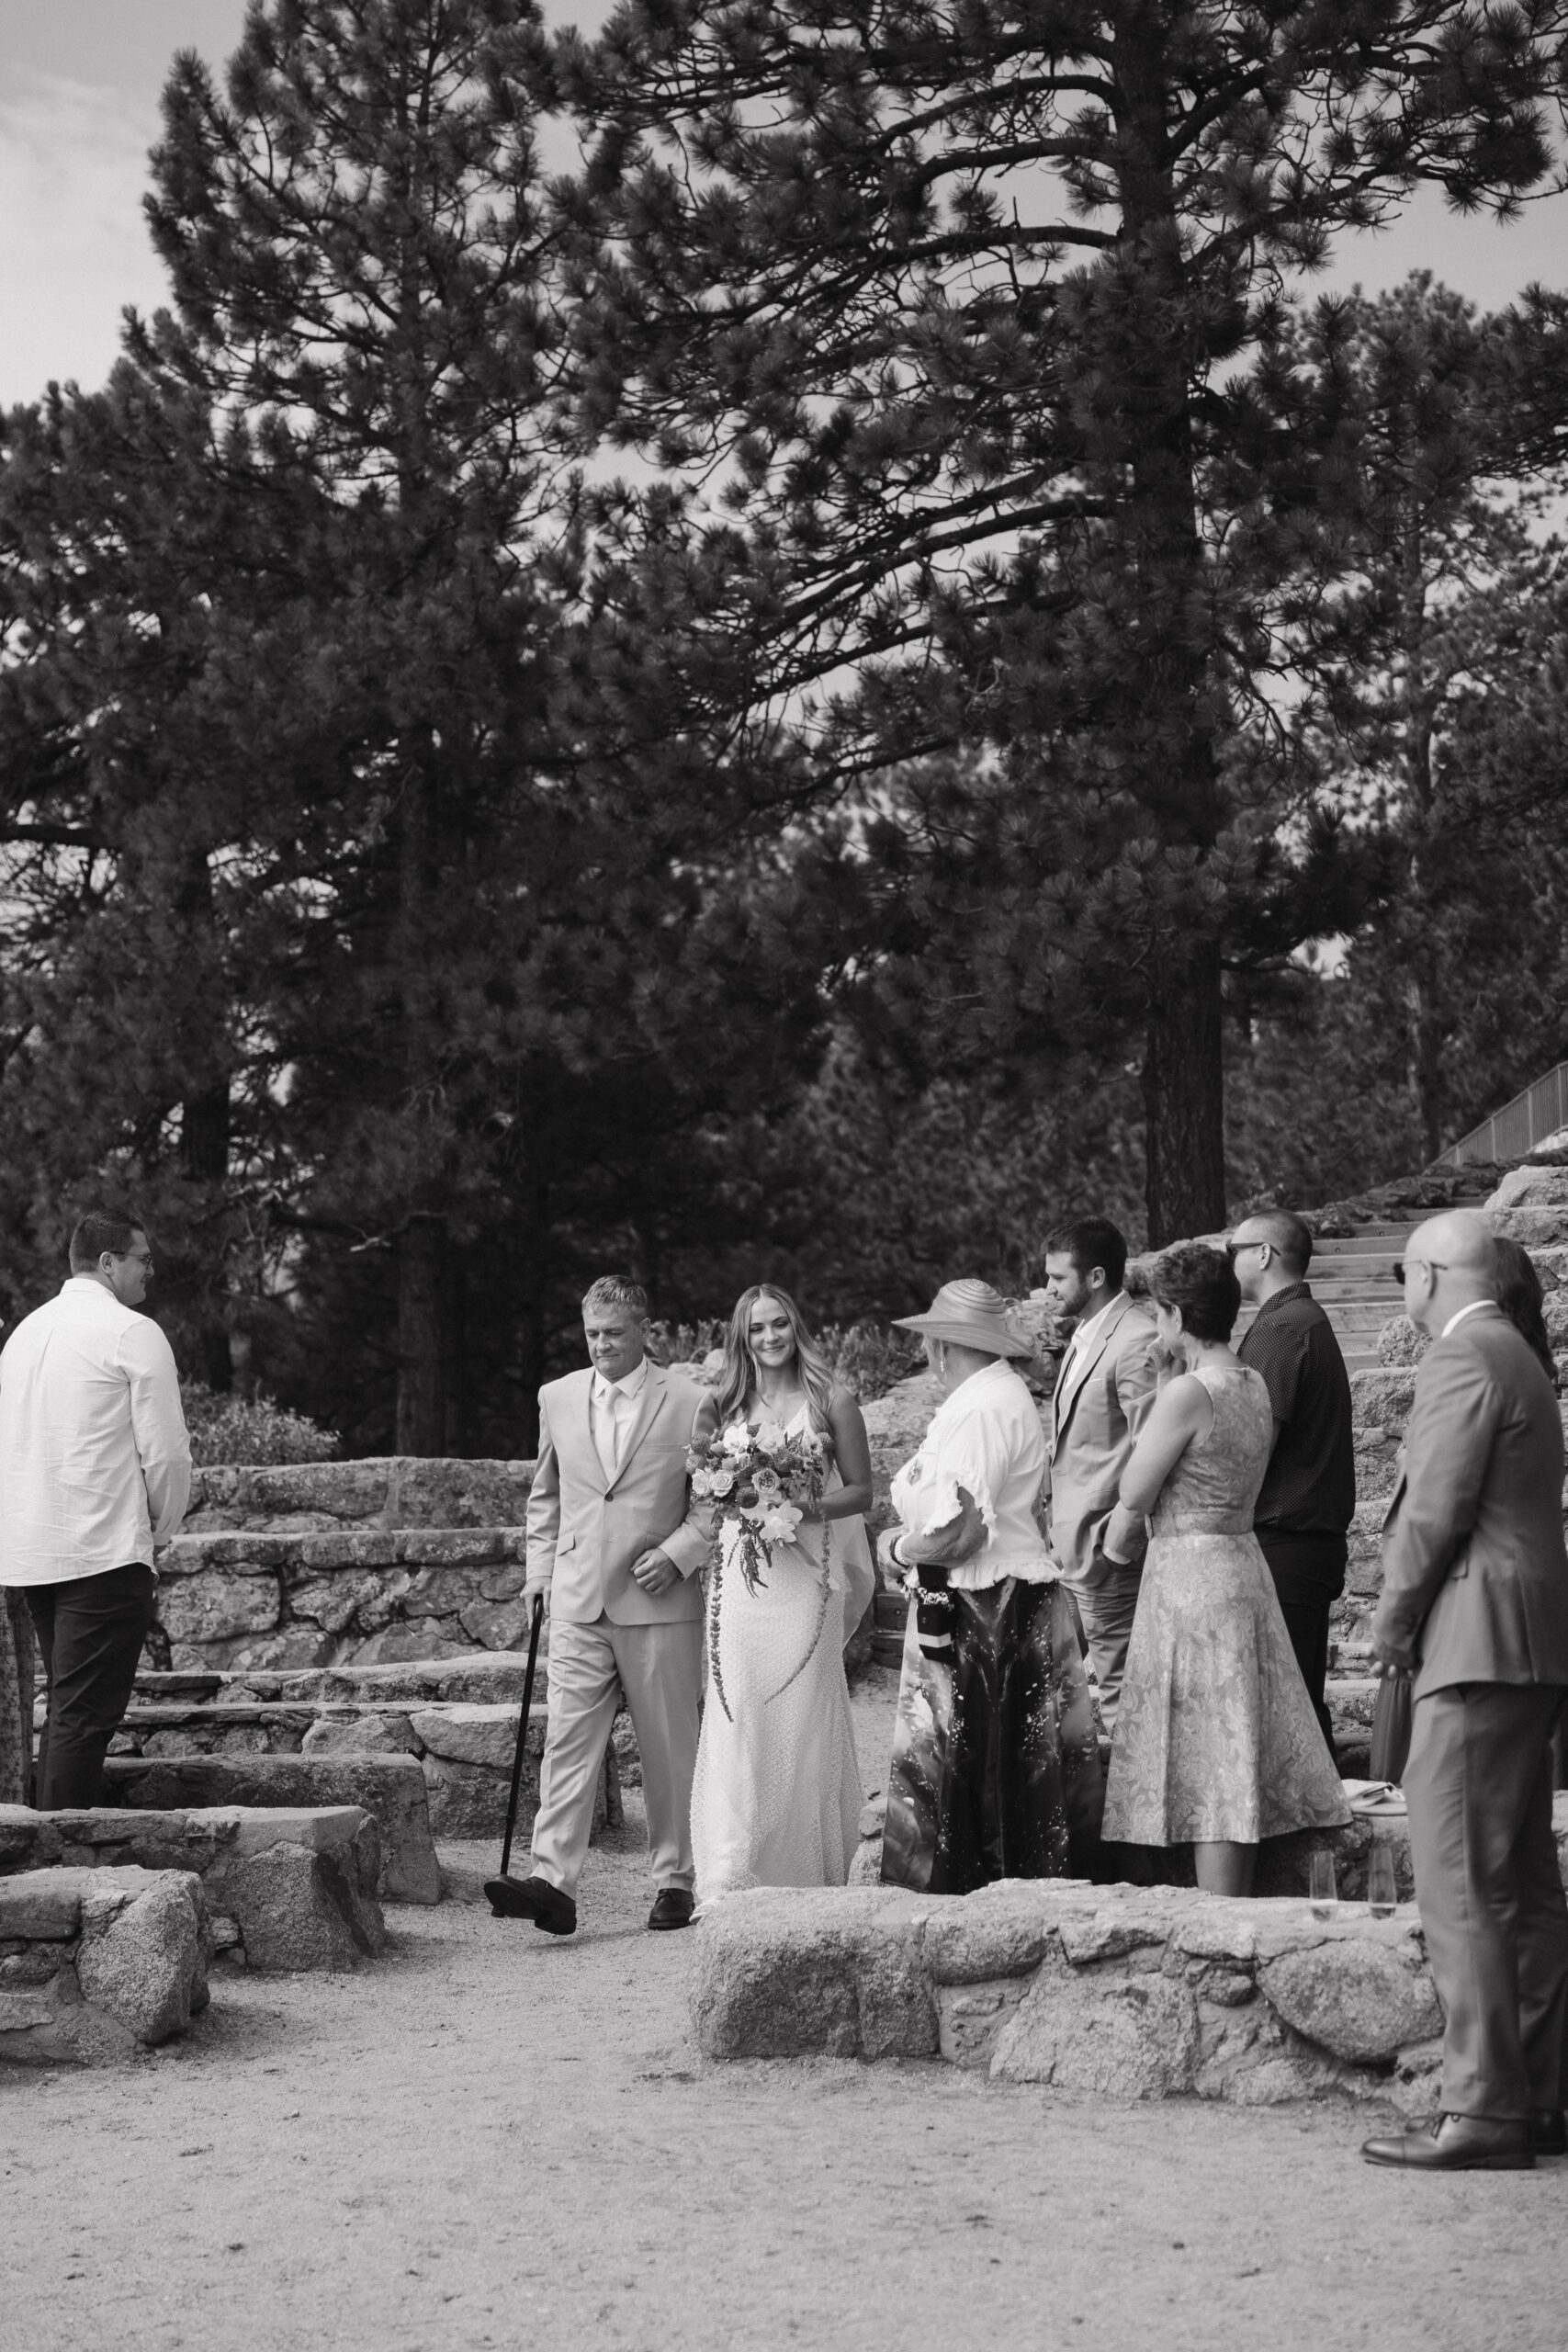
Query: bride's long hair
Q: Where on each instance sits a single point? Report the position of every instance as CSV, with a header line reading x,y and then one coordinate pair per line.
x,y
738,1376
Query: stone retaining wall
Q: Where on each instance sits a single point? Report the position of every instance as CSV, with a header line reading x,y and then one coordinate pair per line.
x,y
96,1962
1115,1993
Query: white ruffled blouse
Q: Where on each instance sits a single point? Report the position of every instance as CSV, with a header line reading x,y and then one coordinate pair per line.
x,y
986,1438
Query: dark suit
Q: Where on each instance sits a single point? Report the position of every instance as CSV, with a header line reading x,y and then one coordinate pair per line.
x,y
1475,1596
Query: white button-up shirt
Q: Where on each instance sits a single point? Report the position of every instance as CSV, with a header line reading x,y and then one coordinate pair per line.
x,y
95,1462
615,1411
986,1437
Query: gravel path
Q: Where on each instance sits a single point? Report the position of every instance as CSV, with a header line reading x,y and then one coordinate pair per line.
x,y
496,2138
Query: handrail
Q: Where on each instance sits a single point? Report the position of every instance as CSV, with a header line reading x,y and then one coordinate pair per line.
x,y
1518,1126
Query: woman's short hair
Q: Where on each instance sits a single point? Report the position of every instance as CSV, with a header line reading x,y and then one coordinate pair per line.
x,y
1522,1299
1201,1282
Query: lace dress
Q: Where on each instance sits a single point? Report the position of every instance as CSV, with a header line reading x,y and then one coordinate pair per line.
x,y
776,1799
1216,1736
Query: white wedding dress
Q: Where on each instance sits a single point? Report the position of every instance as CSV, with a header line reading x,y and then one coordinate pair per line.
x,y
776,1799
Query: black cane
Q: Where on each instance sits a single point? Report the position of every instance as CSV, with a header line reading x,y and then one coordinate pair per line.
x,y
522,1734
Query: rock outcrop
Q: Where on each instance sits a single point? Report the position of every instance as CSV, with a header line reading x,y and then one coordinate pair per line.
x,y
96,1962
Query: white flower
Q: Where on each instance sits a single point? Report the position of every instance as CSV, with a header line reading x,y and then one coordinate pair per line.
x,y
701,1482
772,1436
721,1483
736,1438
779,1523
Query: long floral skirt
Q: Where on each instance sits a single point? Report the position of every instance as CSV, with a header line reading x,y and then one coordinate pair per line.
x,y
996,1768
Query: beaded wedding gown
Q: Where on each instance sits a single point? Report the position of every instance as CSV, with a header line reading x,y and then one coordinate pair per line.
x,y
777,1800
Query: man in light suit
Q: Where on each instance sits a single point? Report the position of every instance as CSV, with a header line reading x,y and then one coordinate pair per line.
x,y
615,1546
1103,1393
1475,1604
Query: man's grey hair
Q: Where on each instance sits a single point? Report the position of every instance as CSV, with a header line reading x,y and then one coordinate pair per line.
x,y
616,1290
1288,1236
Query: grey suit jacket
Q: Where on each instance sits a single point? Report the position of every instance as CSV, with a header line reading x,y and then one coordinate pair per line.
x,y
1095,1418
1475,1575
585,1531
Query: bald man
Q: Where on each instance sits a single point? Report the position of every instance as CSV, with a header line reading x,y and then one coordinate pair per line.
x,y
1474,1604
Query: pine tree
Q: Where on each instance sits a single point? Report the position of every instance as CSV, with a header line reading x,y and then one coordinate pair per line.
x,y
957,306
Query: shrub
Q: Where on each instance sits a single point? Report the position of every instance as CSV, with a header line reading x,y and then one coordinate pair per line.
x,y
251,1432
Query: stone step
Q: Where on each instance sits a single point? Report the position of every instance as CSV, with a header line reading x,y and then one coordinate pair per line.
x,y
290,1888
96,1962
391,1789
484,1675
465,1749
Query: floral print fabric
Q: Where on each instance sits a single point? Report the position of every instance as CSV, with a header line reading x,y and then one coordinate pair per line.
x,y
1216,1738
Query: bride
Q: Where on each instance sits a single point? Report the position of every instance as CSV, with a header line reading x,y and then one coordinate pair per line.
x,y
777,1796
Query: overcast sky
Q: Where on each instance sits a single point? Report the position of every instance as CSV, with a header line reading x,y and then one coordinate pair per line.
x,y
79,84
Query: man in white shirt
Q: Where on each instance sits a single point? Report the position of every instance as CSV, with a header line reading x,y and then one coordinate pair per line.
x,y
95,1470
615,1544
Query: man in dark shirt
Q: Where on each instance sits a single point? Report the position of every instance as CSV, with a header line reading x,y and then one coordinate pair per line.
x,y
1308,1494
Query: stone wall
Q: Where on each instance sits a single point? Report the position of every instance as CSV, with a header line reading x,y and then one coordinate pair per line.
x,y
327,1562
1113,1993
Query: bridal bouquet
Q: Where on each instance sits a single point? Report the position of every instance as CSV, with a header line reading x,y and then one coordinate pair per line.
x,y
761,1482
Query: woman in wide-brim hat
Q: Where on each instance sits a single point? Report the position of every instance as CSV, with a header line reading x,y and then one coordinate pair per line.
x,y
996,1768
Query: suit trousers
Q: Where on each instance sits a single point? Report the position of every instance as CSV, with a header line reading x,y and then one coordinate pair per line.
x,y
1478,1786
1106,1611
659,1669
89,1632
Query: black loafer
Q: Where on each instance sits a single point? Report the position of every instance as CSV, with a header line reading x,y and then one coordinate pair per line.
x,y
673,1907
1458,2144
1549,2131
531,1898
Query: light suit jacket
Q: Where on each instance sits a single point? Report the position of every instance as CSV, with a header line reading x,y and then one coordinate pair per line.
x,y
1095,1417
585,1531
1475,1576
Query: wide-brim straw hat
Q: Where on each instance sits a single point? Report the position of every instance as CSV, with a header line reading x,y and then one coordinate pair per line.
x,y
972,1315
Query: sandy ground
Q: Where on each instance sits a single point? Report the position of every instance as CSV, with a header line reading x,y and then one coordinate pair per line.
x,y
494,2137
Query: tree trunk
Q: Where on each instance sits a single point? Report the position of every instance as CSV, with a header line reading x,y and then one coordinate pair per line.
x,y
1184,1102
204,1157
422,1368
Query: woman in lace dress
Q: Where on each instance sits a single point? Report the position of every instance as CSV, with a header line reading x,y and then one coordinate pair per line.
x,y
777,1797
1216,1743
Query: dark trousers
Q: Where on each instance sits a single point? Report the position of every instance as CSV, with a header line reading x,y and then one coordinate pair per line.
x,y
90,1633
1478,1787
1307,1626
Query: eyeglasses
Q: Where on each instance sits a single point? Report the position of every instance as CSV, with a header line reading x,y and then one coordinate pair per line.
x,y
1234,1249
139,1257
1433,1266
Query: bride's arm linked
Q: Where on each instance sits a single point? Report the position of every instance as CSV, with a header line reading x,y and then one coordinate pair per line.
x,y
851,1452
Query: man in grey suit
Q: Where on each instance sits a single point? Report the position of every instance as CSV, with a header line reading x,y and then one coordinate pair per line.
x,y
1475,1604
614,1544
1103,1393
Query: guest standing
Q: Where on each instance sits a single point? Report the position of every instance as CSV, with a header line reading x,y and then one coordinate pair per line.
x,y
1308,1496
1103,1397
777,1797
95,1471
1216,1746
613,1545
996,1766
1474,1604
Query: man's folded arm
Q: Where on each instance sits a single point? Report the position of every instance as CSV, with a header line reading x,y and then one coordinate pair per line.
x,y
1448,1444
158,1425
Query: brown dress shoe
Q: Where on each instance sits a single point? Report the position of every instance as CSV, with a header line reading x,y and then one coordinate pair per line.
x,y
673,1907
533,1898
1549,2131
1458,2144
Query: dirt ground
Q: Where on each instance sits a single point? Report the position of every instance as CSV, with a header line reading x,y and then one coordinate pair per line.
x,y
493,2137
